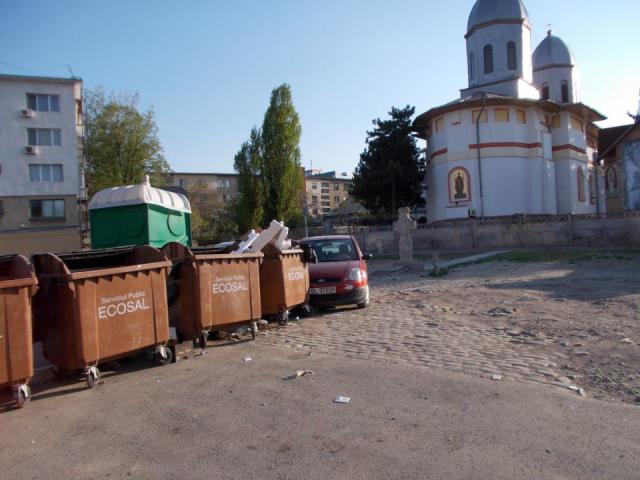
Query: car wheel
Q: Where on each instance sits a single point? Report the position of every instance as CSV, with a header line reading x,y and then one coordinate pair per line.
x,y
366,299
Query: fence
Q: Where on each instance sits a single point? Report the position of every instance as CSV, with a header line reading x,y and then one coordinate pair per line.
x,y
605,230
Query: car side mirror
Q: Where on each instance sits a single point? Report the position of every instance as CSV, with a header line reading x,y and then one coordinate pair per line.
x,y
367,256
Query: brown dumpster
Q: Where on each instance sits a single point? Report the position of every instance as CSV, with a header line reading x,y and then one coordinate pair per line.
x,y
284,282
17,285
211,291
101,305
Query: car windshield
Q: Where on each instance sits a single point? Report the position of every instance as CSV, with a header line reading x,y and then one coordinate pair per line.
x,y
334,250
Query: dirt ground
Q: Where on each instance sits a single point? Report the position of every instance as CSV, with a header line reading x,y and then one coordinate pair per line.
x,y
582,309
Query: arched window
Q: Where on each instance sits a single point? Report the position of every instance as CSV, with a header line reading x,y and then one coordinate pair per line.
x,y
459,188
565,91
580,184
545,91
472,66
593,193
511,56
488,59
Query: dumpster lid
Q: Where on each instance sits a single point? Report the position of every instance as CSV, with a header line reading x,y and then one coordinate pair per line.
x,y
142,193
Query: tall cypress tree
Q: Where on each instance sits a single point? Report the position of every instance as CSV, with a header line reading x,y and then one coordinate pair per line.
x,y
281,168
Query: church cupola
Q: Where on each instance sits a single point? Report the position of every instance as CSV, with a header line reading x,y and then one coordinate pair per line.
x,y
555,71
499,49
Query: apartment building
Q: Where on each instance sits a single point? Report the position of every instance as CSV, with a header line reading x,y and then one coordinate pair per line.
x,y
41,164
325,192
212,189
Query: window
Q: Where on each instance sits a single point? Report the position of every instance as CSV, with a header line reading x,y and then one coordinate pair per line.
x,y
43,136
521,116
46,209
336,199
224,183
325,184
488,59
336,187
459,185
315,211
472,66
576,124
326,204
225,197
45,173
326,210
593,194
43,103
325,197
439,124
314,186
333,250
555,121
565,91
181,182
476,113
325,191
511,56
580,185
545,91
314,199
502,114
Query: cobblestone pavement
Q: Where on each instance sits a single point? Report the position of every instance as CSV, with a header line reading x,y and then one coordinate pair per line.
x,y
401,326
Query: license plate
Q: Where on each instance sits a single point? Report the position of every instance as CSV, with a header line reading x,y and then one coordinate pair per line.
x,y
322,290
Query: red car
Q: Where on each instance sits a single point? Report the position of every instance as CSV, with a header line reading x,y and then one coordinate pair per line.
x,y
340,276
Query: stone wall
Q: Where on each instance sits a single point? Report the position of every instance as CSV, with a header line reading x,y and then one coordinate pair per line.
x,y
618,230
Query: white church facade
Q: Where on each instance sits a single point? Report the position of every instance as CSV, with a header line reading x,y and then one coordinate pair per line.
x,y
518,140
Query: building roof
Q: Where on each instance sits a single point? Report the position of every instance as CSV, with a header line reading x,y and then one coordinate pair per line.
x,y
32,78
142,193
609,138
552,52
485,11
477,100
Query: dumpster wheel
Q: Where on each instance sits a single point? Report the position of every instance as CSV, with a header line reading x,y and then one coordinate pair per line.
x,y
202,340
23,395
164,355
93,377
283,318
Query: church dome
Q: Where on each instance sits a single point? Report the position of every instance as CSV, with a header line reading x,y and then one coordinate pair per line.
x,y
552,51
489,10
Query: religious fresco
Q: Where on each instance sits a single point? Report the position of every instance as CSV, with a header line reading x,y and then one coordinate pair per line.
x,y
459,186
631,162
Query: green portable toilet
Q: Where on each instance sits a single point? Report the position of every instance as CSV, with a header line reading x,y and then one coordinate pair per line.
x,y
139,215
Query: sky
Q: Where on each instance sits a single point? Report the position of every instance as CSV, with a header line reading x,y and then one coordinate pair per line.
x,y
207,68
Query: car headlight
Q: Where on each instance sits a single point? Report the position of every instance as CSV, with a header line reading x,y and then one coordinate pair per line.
x,y
355,275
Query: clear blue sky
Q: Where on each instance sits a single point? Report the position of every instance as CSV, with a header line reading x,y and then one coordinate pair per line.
x,y
208,67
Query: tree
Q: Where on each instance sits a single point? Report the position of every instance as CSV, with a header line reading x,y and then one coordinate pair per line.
x,y
122,143
249,208
283,177
271,179
390,171
211,219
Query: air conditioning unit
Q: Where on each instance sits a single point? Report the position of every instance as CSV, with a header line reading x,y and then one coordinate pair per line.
x,y
30,150
26,113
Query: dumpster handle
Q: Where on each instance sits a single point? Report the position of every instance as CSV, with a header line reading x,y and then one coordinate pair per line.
x,y
250,292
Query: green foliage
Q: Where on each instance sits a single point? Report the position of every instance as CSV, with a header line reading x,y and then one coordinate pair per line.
x,y
390,171
122,143
249,208
270,174
211,220
283,176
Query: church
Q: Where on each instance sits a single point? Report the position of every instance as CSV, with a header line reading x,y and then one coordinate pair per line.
x,y
519,140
